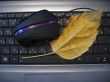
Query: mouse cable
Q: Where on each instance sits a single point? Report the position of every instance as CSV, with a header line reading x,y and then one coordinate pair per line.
x,y
72,11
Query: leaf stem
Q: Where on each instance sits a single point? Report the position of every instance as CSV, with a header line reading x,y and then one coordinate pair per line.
x,y
37,56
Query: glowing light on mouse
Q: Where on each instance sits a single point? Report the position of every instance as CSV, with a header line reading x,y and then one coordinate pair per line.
x,y
20,31
33,26
51,22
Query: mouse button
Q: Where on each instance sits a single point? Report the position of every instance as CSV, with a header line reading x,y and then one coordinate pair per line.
x,y
49,31
36,18
24,35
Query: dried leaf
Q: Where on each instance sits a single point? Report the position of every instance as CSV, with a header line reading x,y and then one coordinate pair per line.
x,y
78,35
78,47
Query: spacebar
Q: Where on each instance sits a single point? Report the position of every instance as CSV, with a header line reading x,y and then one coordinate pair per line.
x,y
52,59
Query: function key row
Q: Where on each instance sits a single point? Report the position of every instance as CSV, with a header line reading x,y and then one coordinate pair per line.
x,y
11,18
58,14
14,15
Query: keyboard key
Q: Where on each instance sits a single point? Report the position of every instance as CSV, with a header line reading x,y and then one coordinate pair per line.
x,y
103,23
4,59
100,49
2,40
109,59
101,32
39,43
103,39
106,15
1,31
65,21
106,22
7,31
3,15
109,49
60,22
12,22
104,58
3,22
14,59
55,13
42,50
92,59
106,31
18,21
16,42
69,14
78,60
26,15
5,50
11,15
9,40
49,49
60,14
23,50
45,42
14,50
109,40
32,50
0,50
18,15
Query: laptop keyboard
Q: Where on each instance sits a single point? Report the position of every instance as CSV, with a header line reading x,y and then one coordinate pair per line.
x,y
11,52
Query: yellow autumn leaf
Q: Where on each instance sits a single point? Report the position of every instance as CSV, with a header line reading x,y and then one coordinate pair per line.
x,y
79,25
78,47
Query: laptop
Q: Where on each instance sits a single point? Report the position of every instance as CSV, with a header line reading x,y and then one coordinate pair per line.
x,y
93,66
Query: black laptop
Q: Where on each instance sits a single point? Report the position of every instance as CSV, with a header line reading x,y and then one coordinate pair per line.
x,y
93,66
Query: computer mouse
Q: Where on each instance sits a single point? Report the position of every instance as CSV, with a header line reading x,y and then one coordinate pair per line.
x,y
40,25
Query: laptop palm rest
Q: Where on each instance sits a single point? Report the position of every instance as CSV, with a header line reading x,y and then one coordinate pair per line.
x,y
68,77
49,78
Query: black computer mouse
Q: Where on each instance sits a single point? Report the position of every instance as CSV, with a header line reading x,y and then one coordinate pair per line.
x,y
40,25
